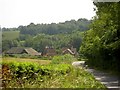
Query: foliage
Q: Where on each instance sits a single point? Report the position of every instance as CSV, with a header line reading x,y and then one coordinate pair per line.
x,y
57,41
30,75
53,28
7,44
10,39
67,58
101,43
39,41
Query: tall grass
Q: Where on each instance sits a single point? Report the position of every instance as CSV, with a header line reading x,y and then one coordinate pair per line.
x,y
33,75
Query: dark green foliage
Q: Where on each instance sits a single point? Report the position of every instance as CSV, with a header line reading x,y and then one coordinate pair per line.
x,y
53,28
58,41
101,44
10,39
7,44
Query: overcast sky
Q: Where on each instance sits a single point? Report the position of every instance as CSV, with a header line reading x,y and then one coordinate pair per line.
x,y
23,12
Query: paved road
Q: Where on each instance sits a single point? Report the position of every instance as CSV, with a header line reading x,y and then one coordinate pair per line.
x,y
110,81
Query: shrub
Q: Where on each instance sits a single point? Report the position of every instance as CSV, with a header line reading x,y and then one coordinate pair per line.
x,y
28,69
30,75
67,58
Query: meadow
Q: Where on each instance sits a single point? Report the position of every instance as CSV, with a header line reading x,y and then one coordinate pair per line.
x,y
10,35
38,61
23,73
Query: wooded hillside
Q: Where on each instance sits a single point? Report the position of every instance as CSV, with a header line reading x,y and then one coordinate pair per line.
x,y
37,36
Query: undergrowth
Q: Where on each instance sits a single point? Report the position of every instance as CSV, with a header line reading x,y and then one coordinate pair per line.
x,y
33,75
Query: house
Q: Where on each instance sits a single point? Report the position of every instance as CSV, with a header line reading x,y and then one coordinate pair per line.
x,y
22,50
71,51
49,51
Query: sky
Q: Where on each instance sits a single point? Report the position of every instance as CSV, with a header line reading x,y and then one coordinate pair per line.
x,y
23,12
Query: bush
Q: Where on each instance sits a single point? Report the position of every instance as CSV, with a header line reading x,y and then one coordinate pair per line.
x,y
32,75
27,69
67,58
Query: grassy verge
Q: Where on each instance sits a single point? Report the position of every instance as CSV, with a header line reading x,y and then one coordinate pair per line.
x,y
33,75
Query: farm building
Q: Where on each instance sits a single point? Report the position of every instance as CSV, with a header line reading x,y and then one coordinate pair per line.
x,y
49,51
71,51
22,50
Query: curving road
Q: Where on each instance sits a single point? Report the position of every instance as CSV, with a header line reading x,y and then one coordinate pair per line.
x,y
110,81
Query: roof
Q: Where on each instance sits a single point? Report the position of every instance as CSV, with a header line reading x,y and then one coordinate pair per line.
x,y
21,50
64,48
49,51
15,50
31,51
68,50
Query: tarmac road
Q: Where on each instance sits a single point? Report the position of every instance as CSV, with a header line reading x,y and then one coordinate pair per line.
x,y
110,81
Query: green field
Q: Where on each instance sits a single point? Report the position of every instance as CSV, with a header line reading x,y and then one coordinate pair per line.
x,y
10,35
41,62
32,73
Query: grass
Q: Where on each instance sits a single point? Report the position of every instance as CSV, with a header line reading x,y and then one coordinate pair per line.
x,y
10,59
34,73
10,35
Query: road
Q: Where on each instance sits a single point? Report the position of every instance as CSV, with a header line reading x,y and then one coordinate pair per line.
x,y
110,81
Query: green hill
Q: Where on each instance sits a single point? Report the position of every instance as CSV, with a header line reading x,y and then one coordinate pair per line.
x,y
10,35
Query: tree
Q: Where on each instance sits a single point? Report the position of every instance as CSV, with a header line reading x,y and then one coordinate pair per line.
x,y
101,44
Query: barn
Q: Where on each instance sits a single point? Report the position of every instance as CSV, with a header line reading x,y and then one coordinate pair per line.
x,y
49,51
71,51
22,50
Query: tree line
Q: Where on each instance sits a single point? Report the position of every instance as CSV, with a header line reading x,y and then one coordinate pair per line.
x,y
81,24
53,28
